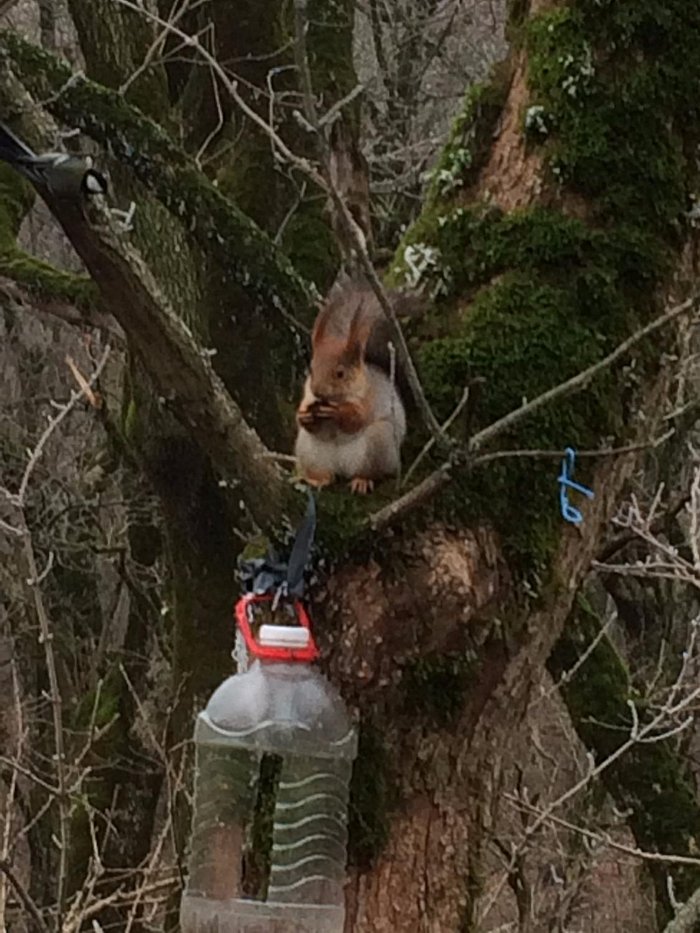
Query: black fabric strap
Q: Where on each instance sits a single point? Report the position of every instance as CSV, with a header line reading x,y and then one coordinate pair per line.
x,y
269,574
301,550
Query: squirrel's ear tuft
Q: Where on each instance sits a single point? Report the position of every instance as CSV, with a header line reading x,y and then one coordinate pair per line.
x,y
320,326
360,327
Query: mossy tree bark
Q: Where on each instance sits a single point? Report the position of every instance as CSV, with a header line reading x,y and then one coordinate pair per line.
x,y
554,228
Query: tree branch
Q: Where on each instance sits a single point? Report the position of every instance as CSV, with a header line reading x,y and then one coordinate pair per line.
x,y
181,373
225,234
439,478
352,229
582,379
23,896
324,181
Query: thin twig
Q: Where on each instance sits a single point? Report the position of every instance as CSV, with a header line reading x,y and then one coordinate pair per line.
x,y
558,454
430,443
232,88
356,235
569,674
352,228
659,524
581,380
331,115
443,474
46,638
63,412
8,803
301,57
34,578
605,838
397,333
23,895
414,498
667,713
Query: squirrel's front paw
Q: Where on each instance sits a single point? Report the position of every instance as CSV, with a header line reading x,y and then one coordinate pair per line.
x,y
315,416
361,485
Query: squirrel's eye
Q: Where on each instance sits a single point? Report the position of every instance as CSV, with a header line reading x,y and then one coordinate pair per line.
x,y
340,372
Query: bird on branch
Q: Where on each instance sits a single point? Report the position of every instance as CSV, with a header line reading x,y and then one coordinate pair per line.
x,y
58,174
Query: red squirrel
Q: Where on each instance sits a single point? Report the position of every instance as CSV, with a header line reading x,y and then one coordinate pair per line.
x,y
351,420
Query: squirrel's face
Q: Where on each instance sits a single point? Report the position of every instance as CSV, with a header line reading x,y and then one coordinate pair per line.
x,y
336,377
337,370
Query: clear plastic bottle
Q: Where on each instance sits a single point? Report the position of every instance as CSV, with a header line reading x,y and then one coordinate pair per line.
x,y
286,709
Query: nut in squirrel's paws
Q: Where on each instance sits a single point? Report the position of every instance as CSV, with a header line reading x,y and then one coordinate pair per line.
x,y
315,416
361,486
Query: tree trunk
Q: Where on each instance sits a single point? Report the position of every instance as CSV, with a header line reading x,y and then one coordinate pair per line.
x,y
554,226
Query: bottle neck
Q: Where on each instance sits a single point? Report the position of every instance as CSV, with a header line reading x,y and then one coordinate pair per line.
x,y
283,665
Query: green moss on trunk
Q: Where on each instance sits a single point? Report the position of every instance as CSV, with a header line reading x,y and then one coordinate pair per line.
x,y
527,299
222,231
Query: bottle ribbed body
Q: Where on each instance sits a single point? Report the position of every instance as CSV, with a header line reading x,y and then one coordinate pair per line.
x,y
224,798
290,827
310,833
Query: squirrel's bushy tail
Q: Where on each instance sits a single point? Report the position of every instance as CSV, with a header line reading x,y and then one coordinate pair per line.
x,y
351,294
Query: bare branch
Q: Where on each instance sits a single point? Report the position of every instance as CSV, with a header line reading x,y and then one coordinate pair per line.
x,y
23,896
445,426
582,379
63,412
687,917
415,497
439,478
324,181
605,838
537,454
355,234
233,241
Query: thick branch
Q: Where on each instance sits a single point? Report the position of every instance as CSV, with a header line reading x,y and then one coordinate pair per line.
x,y
181,373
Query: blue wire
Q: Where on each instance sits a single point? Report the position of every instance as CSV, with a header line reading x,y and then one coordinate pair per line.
x,y
569,512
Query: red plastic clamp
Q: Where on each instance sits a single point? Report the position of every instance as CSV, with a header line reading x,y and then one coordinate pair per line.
x,y
243,612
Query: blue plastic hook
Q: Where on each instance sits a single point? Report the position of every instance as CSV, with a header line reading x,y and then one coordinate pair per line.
x,y
569,512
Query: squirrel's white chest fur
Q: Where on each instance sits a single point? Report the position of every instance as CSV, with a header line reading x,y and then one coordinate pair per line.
x,y
372,452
